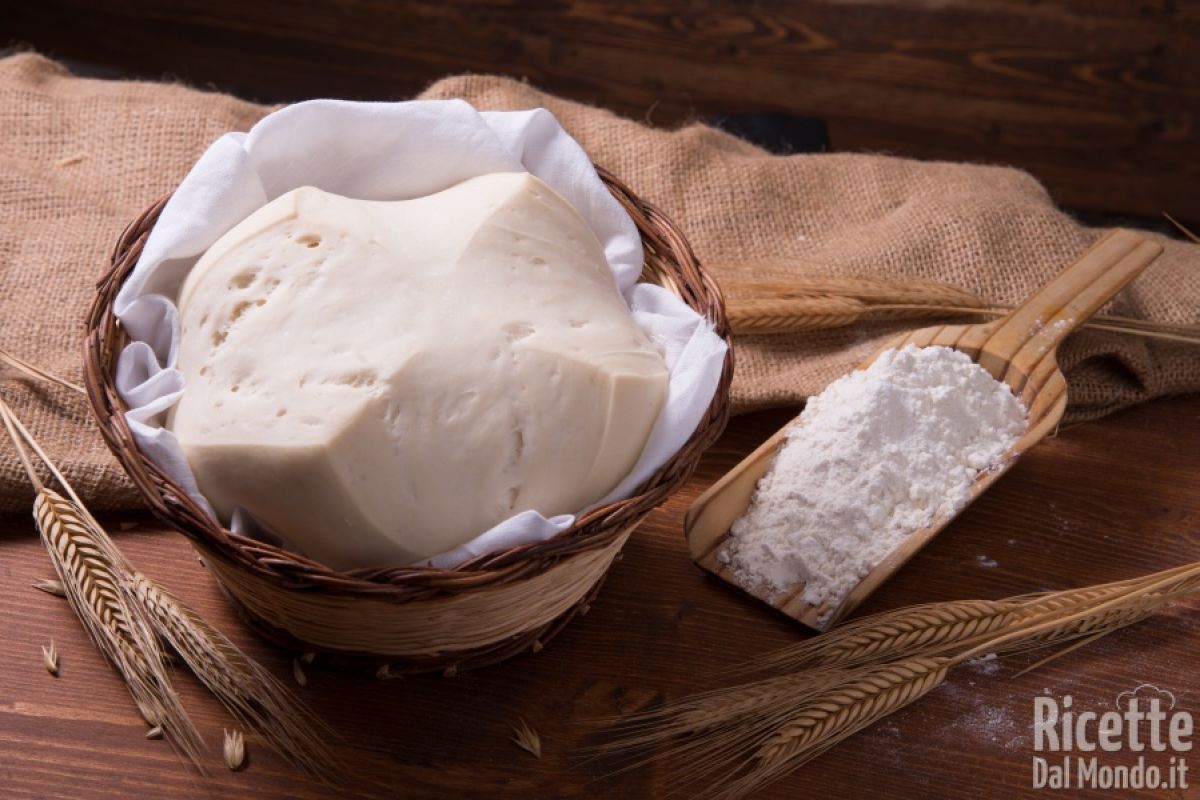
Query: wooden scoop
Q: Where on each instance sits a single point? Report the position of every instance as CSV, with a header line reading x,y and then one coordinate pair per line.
x,y
1019,349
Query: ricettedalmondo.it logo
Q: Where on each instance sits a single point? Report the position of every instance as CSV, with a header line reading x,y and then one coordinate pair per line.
x,y
1139,741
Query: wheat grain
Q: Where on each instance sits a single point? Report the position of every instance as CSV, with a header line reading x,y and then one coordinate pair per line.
x,y
50,587
527,739
70,161
298,673
50,658
234,749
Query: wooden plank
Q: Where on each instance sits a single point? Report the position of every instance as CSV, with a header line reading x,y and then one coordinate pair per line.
x,y
1101,101
1101,501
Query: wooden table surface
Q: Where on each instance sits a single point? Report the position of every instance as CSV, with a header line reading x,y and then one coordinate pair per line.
x,y
1104,500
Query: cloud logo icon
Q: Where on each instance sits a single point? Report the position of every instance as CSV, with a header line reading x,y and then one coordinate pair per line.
x,y
1146,690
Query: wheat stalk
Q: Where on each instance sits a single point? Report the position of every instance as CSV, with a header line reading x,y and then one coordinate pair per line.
x,y
1182,228
893,634
792,314
118,628
868,290
1105,609
849,706
126,613
82,555
761,315
716,709
856,675
254,696
926,628
856,702
804,304
23,366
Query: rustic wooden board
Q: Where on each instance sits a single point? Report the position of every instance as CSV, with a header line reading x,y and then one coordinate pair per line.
x,y
1100,100
1101,501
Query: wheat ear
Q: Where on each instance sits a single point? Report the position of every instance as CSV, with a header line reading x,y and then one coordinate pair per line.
x,y
83,558
788,314
891,635
117,627
240,683
249,692
849,706
928,628
710,710
868,290
854,676
805,304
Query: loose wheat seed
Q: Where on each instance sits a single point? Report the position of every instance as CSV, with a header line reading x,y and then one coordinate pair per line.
x,y
527,739
50,658
298,673
235,749
50,587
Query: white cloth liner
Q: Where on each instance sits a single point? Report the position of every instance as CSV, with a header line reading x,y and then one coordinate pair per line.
x,y
393,151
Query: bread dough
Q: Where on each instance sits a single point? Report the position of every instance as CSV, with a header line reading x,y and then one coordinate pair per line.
x,y
378,382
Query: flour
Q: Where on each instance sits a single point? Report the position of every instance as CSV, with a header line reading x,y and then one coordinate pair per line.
x,y
988,664
879,454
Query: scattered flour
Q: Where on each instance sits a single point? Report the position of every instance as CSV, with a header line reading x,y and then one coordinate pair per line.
x,y
877,455
984,561
988,664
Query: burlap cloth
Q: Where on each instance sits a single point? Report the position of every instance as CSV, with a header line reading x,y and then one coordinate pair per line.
x,y
80,158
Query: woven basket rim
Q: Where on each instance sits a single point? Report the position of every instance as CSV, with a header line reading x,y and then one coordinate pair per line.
x,y
669,262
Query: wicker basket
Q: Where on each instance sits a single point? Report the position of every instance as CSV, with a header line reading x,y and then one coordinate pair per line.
x,y
412,619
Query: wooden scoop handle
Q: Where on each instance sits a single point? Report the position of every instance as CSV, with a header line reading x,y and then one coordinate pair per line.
x,y
1020,340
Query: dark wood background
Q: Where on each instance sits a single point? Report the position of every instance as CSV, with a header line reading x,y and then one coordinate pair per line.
x,y
1100,99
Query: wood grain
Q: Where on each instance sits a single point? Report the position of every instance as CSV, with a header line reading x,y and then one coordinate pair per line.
x,y
1100,501
1101,101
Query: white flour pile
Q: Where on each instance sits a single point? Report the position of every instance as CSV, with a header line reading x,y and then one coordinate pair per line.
x,y
880,453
